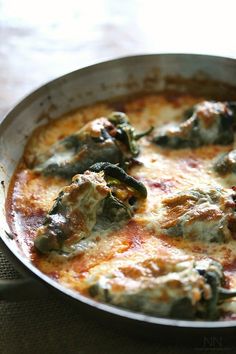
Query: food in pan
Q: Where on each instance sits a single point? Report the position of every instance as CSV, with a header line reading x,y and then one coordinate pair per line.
x,y
94,201
209,123
163,287
226,163
110,139
200,214
136,208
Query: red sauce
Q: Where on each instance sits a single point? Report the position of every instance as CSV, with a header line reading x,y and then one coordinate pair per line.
x,y
131,237
134,234
164,185
230,267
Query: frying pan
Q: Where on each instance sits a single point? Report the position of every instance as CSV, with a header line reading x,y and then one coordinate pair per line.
x,y
213,77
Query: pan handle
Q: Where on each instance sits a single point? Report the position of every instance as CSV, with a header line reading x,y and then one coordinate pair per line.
x,y
22,289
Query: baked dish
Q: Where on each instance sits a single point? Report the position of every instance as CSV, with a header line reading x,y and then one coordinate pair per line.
x,y
133,204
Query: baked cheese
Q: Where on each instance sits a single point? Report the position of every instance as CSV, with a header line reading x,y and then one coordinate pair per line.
x,y
159,260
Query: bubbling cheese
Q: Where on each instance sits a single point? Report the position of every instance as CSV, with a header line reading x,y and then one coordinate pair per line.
x,y
163,171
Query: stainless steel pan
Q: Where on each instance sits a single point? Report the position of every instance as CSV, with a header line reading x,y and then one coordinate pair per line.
x,y
207,75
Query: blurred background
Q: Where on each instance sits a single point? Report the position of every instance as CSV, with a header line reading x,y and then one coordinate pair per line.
x,y
40,40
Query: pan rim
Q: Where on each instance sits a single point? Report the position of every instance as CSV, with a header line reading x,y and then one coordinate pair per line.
x,y
10,116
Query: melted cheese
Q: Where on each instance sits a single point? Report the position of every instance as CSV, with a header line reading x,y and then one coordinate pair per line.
x,y
162,171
